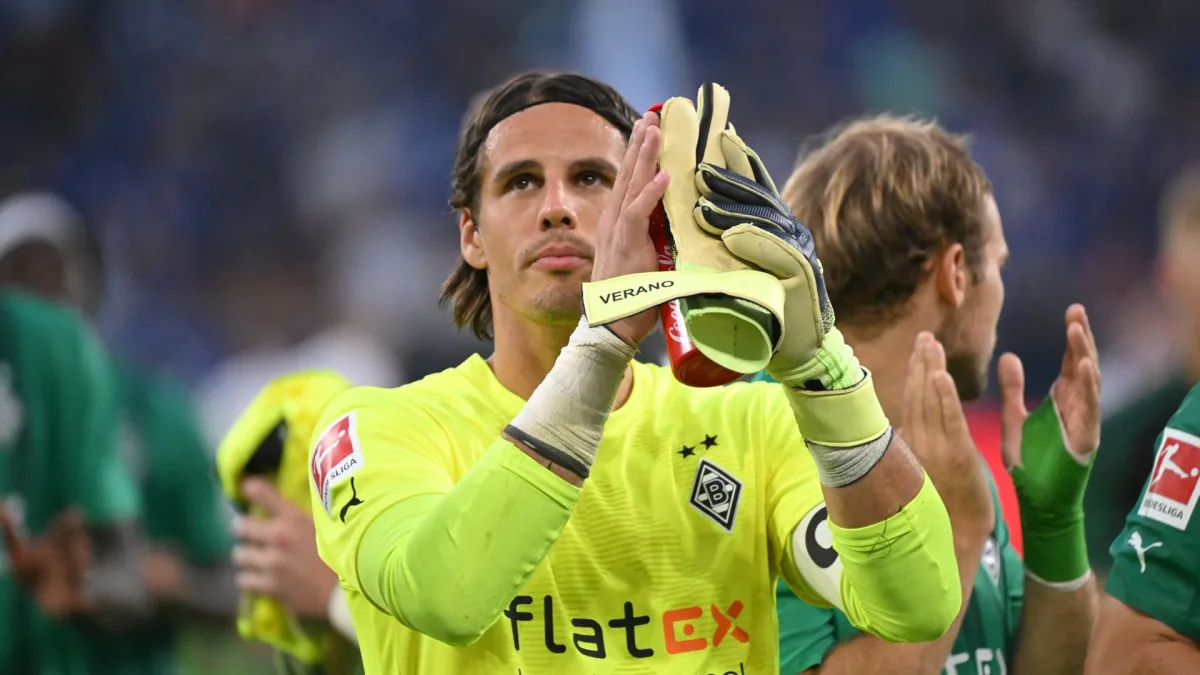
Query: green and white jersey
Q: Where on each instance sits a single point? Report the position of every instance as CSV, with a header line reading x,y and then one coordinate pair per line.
x,y
1156,558
58,430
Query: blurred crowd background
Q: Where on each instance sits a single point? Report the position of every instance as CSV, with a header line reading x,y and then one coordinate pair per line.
x,y
268,177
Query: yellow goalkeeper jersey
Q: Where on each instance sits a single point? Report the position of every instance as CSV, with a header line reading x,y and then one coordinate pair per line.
x,y
668,563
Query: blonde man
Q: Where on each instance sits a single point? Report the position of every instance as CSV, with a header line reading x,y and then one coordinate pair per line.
x,y
911,240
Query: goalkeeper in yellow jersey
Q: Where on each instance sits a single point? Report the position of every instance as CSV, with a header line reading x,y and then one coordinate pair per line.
x,y
560,508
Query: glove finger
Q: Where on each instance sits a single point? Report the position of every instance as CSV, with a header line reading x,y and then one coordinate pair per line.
x,y
677,157
712,112
762,249
717,217
724,185
798,245
742,159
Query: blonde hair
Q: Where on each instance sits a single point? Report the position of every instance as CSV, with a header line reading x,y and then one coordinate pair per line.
x,y
882,196
1179,210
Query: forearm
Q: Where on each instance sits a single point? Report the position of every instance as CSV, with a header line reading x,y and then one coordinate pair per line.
x,y
881,493
116,593
1157,657
1056,628
906,561
1128,642
869,655
447,565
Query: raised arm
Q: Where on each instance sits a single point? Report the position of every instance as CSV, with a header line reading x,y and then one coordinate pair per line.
x,y
427,550
878,496
937,428
1050,454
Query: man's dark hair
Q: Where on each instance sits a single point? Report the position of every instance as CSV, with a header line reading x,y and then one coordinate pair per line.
x,y
466,290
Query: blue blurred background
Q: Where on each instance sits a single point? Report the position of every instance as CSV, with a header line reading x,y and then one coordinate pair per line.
x,y
269,176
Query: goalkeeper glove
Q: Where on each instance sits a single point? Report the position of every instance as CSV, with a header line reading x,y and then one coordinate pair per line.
x,y
831,393
731,310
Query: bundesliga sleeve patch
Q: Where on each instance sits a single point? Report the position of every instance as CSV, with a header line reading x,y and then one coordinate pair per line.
x,y
338,456
1171,495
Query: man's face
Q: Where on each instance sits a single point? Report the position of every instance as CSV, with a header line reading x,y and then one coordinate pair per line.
x,y
969,333
546,174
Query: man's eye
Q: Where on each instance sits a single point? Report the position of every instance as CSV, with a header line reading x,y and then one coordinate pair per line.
x,y
521,182
590,178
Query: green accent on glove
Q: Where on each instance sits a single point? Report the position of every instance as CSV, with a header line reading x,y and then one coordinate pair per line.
x,y
1050,482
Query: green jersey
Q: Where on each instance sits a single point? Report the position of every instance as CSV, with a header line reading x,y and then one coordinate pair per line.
x,y
1125,455
58,429
162,446
985,639
1156,558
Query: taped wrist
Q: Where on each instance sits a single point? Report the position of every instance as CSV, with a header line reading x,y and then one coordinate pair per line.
x,y
564,418
839,467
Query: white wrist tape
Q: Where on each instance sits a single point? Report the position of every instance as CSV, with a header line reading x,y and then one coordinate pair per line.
x,y
564,419
338,613
839,467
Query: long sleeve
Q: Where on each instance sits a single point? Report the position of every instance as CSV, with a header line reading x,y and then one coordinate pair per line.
x,y
442,557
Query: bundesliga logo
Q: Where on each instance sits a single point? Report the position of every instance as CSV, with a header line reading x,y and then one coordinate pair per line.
x,y
335,458
1175,482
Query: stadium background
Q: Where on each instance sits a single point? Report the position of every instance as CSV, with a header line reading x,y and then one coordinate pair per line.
x,y
269,177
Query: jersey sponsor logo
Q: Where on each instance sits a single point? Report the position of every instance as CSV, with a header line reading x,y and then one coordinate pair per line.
x,y
716,494
338,456
1174,485
1140,548
816,559
986,662
683,630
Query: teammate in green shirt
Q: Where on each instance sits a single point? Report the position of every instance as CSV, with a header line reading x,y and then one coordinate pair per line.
x,y
1150,624
186,544
912,242
64,492
1129,432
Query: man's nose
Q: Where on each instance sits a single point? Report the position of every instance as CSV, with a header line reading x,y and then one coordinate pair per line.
x,y
558,207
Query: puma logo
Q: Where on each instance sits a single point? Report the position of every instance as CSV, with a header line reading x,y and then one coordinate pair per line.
x,y
354,501
1135,541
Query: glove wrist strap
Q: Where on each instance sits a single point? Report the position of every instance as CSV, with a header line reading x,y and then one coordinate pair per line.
x,y
834,366
841,418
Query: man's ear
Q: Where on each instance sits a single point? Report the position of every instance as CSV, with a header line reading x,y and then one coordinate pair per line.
x,y
469,240
951,277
